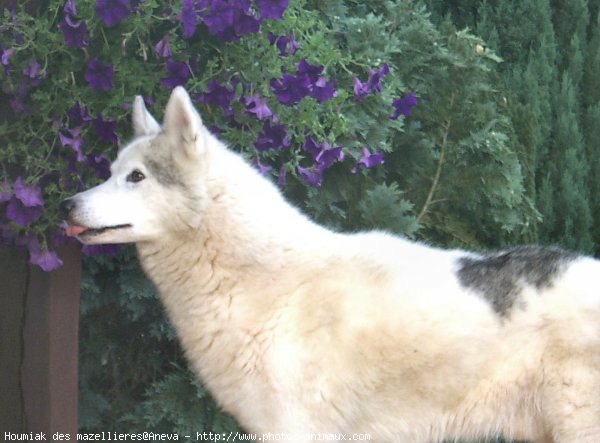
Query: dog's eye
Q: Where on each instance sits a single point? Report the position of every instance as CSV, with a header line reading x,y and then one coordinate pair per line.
x,y
135,176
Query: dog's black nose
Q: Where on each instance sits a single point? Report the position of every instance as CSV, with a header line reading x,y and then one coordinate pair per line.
x,y
66,206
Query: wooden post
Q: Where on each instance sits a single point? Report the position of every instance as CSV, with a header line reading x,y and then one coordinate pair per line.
x,y
39,344
13,290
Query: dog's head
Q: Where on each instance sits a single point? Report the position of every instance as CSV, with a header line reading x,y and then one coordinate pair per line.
x,y
154,186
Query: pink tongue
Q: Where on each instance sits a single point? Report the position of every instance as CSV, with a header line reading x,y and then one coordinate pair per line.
x,y
73,231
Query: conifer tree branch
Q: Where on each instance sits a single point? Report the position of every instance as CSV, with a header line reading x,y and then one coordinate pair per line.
x,y
438,171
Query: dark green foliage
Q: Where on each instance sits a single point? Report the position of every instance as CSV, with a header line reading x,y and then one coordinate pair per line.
x,y
550,76
459,162
522,33
592,136
384,207
591,85
133,376
591,122
572,218
570,19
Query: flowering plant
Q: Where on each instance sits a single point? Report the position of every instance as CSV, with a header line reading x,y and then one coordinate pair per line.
x,y
269,76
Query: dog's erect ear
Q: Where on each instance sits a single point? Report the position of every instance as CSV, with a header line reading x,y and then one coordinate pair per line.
x,y
182,122
143,122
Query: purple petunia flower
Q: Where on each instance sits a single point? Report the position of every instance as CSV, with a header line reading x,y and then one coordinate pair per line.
x,y
70,8
403,106
189,18
33,74
244,22
218,17
290,89
313,176
311,146
179,74
308,81
5,55
273,9
323,154
262,169
228,21
99,75
74,140
217,95
45,259
74,32
78,115
368,160
258,106
374,82
32,71
20,214
372,85
100,164
312,72
273,136
329,155
30,196
320,89
323,90
112,12
361,90
106,129
163,47
287,45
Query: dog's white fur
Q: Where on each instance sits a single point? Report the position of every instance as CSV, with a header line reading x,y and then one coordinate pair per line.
x,y
298,329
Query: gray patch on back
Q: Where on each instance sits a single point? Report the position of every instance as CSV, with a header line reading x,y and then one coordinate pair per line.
x,y
500,276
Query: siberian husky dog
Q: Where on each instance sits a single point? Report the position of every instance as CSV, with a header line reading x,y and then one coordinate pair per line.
x,y
302,333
